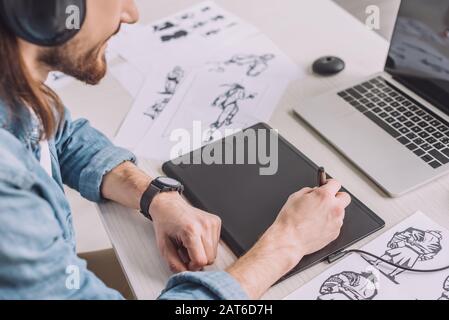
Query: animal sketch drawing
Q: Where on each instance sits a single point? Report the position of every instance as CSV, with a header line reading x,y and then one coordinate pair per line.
x,y
409,247
255,64
445,294
172,82
349,285
229,104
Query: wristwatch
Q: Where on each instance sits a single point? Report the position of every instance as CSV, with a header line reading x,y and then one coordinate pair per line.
x,y
158,185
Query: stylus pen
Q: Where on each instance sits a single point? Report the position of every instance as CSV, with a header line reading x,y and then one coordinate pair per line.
x,y
322,177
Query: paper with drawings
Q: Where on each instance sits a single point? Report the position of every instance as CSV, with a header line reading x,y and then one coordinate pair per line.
x,y
194,33
129,77
417,242
157,92
231,86
221,102
233,90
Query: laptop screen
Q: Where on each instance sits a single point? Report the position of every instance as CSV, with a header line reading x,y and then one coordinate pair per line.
x,y
419,51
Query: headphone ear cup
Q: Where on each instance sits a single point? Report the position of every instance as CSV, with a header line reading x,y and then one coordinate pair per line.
x,y
43,22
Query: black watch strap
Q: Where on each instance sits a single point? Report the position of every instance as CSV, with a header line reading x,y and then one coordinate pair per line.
x,y
146,200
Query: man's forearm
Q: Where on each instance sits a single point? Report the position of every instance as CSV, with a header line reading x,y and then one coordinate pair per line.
x,y
125,185
269,260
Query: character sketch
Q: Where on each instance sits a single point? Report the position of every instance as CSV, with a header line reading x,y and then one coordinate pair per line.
x,y
163,26
445,294
349,285
218,18
175,36
229,103
187,16
255,64
212,32
174,78
172,82
156,109
199,24
407,248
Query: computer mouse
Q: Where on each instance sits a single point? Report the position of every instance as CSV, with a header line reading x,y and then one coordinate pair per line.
x,y
329,65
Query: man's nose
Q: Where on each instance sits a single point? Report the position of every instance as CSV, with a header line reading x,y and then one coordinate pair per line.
x,y
130,13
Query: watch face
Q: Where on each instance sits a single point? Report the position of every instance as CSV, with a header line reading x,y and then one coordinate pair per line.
x,y
169,182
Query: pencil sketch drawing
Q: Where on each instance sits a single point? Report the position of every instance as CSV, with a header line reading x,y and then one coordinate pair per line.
x,y
407,248
445,294
172,83
349,285
229,104
254,65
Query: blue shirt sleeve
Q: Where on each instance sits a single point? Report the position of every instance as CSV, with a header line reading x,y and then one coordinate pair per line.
x,y
215,285
36,262
85,156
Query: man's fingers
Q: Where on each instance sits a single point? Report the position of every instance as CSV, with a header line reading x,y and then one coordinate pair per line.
x,y
172,257
195,249
344,198
332,186
209,247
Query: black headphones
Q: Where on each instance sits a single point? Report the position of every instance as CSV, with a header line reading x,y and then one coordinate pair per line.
x,y
42,22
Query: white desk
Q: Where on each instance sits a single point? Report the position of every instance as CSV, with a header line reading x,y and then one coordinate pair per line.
x,y
304,30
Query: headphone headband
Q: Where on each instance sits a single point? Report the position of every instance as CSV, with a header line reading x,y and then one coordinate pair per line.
x,y
42,22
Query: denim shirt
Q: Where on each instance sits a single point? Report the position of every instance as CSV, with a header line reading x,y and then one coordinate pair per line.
x,y
37,245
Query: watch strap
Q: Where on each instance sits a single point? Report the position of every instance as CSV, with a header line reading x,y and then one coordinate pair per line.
x,y
146,200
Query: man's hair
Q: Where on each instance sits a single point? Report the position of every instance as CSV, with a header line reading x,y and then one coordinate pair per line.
x,y
19,90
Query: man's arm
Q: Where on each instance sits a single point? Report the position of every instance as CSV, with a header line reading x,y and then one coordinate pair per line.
x,y
36,261
187,237
310,220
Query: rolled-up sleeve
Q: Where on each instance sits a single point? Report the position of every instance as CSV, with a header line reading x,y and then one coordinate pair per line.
x,y
216,285
85,155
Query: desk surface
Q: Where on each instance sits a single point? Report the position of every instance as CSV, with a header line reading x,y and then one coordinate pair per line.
x,y
304,30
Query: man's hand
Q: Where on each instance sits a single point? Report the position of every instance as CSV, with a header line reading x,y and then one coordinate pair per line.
x,y
310,220
186,237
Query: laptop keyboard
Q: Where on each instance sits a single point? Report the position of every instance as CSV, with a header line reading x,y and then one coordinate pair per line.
x,y
417,128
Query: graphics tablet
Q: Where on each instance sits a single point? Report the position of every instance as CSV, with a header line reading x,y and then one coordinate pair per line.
x,y
247,201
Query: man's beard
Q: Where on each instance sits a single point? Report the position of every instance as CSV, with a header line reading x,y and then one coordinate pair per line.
x,y
88,67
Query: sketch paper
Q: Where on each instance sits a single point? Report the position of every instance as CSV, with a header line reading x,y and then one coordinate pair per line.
x,y
157,92
417,242
255,57
218,102
195,32
129,77
230,79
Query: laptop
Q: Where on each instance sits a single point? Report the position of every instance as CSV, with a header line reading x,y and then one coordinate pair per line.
x,y
394,125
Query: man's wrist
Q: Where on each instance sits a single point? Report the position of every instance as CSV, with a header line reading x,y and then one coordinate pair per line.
x,y
270,259
281,245
161,201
